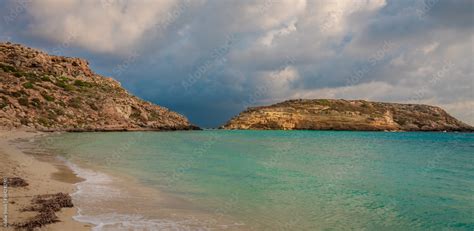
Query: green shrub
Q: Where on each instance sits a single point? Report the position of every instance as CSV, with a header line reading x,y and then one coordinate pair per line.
x,y
28,75
3,103
47,97
45,78
36,102
15,94
324,102
61,84
23,92
24,121
69,88
19,93
64,79
52,116
93,106
44,121
153,115
64,85
80,83
31,76
59,111
28,85
7,68
75,102
23,101
135,114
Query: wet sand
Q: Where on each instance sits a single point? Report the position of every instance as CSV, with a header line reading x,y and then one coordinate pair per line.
x,y
44,177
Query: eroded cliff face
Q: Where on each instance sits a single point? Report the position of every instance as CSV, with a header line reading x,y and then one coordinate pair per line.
x,y
329,114
48,92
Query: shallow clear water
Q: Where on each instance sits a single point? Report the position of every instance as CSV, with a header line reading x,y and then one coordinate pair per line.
x,y
285,180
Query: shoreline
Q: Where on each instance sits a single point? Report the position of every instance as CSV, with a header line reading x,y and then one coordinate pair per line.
x,y
101,195
87,186
51,175
46,177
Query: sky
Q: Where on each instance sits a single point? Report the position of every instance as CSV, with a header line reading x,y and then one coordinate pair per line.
x,y
211,59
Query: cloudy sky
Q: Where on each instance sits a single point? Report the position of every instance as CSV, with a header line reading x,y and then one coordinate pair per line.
x,y
209,59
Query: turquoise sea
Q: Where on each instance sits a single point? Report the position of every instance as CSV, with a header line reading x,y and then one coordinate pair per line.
x,y
271,180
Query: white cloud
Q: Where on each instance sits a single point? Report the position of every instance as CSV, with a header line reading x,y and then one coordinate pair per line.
x,y
430,48
112,26
333,17
270,36
269,14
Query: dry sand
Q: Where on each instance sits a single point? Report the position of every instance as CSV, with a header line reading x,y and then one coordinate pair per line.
x,y
43,178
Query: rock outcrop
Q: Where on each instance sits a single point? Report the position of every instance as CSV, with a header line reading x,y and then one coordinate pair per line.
x,y
331,114
53,93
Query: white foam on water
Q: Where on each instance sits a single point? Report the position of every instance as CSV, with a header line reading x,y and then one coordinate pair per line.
x,y
98,187
120,222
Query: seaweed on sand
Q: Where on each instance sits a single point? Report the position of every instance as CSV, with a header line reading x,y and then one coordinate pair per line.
x,y
15,182
46,206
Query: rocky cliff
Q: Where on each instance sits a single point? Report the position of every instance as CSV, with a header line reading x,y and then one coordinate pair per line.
x,y
48,92
329,114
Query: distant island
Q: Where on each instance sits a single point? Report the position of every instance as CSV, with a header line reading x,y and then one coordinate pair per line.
x,y
339,114
55,93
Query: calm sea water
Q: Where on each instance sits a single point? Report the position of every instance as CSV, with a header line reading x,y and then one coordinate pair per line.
x,y
273,180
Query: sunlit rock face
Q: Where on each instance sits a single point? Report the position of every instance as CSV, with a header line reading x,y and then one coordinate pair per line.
x,y
331,114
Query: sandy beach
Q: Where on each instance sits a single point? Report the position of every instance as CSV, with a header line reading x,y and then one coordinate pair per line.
x,y
50,177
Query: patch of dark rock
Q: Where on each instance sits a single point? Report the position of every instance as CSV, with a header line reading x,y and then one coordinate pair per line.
x,y
15,182
46,205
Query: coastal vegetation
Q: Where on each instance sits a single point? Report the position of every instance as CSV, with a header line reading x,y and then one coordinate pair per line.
x,y
52,93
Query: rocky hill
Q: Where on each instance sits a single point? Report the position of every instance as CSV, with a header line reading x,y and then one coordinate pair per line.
x,y
329,114
53,93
